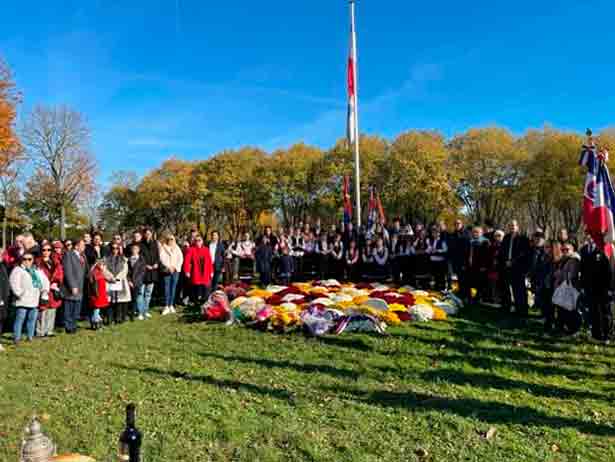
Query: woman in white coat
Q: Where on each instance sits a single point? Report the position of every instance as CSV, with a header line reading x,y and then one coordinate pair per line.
x,y
29,285
171,259
119,289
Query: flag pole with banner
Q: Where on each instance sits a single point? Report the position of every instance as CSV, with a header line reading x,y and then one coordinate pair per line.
x,y
353,111
598,197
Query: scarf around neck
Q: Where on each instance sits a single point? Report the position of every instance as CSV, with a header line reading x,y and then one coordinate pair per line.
x,y
36,280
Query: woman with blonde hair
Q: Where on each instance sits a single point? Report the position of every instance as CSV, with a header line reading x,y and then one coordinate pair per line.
x,y
171,259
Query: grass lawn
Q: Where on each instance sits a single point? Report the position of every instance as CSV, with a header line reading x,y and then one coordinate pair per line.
x,y
426,392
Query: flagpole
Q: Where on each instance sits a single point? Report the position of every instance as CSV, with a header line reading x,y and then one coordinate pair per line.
x,y
357,166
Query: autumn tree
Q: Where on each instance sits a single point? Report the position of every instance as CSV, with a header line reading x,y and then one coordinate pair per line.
x,y
11,153
57,140
233,188
551,185
486,165
9,98
413,179
119,208
339,162
168,195
294,186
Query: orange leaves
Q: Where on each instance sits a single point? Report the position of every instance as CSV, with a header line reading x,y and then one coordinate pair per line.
x,y
9,144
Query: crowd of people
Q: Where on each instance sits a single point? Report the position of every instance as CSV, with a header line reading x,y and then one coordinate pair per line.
x,y
106,283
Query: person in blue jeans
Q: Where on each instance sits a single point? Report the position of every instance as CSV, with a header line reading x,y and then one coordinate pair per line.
x,y
150,252
29,285
171,261
136,276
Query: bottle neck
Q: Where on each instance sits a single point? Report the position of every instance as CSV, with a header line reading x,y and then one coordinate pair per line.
x,y
130,417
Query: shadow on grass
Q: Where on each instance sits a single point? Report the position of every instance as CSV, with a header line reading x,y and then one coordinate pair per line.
x,y
191,314
545,367
299,367
350,343
487,381
491,412
209,380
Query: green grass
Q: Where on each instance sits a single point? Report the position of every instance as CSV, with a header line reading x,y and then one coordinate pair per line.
x,y
425,392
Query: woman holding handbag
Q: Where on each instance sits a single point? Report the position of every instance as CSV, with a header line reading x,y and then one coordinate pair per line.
x,y
569,320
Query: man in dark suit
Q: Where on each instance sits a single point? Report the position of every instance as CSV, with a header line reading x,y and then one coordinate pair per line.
x,y
514,264
217,251
75,269
596,281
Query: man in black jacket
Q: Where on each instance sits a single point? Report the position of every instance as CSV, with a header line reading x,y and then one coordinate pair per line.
x,y
150,253
514,260
458,242
217,251
596,280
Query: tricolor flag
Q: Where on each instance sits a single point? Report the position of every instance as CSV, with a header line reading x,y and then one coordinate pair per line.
x,y
351,124
371,210
347,201
598,198
381,216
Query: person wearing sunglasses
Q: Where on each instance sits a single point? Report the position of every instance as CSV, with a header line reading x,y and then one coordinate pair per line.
x,y
29,285
51,266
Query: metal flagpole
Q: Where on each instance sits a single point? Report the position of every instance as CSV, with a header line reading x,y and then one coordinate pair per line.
x,y
357,167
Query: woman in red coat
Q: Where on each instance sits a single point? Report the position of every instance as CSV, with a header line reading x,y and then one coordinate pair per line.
x,y
52,268
198,269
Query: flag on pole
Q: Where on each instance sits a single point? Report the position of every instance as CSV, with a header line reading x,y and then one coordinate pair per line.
x,y
371,210
598,198
351,124
347,201
381,216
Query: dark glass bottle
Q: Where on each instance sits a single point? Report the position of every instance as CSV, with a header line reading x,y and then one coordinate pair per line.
x,y
130,439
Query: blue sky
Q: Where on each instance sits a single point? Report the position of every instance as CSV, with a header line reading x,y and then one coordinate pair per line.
x,y
189,78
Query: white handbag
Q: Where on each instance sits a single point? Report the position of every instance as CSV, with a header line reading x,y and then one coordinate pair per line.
x,y
566,296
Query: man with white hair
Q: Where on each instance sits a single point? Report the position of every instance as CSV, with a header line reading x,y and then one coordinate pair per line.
x,y
514,262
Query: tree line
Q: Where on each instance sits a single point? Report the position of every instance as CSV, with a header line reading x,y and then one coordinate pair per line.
x,y
486,174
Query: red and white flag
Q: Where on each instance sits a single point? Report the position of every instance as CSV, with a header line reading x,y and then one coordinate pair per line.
x,y
352,82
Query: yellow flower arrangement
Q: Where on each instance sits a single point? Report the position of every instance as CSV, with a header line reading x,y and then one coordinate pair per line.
x,y
389,317
439,314
345,305
319,291
360,300
397,307
259,293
